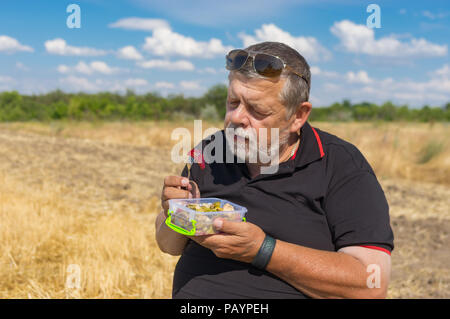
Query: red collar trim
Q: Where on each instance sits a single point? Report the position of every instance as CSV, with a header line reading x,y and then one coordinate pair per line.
x,y
293,156
196,156
319,142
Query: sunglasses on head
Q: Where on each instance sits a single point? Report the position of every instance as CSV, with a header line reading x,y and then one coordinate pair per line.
x,y
264,64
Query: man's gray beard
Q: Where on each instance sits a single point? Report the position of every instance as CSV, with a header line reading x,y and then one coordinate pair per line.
x,y
244,150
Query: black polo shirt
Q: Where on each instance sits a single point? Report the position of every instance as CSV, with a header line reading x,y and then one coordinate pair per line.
x,y
326,196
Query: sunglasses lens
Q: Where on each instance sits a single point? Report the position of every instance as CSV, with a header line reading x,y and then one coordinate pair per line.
x,y
268,65
236,59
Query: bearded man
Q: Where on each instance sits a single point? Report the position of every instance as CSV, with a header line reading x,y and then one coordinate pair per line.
x,y
317,225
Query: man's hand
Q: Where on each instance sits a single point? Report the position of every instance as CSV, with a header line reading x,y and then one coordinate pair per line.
x,y
238,240
169,241
173,188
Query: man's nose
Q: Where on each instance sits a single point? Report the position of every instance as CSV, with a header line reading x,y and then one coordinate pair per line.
x,y
239,116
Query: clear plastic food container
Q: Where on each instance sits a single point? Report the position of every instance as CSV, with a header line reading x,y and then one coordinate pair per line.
x,y
195,216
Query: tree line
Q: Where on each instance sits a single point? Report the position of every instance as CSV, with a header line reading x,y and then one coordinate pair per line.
x,y
58,105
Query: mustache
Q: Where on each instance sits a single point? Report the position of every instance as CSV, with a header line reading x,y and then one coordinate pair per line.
x,y
240,132
251,134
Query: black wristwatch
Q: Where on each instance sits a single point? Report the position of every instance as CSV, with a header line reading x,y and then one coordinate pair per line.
x,y
264,254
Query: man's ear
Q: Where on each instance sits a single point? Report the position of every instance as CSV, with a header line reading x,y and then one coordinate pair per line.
x,y
300,116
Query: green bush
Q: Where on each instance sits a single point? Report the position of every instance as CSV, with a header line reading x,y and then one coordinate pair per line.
x,y
209,112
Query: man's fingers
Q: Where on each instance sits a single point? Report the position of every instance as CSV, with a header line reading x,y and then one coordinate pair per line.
x,y
174,181
172,192
194,189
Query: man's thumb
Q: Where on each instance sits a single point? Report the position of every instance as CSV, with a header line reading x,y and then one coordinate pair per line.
x,y
225,226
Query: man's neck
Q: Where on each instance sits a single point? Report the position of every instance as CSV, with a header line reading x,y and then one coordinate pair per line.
x,y
285,154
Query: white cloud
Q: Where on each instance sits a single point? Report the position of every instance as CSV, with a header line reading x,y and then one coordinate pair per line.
x,y
316,71
60,47
208,70
102,67
180,65
129,53
84,68
135,82
443,72
63,68
190,85
6,79
433,91
358,77
74,84
77,84
309,47
166,42
11,45
144,24
434,16
350,76
6,83
428,14
357,38
164,85
93,67
332,87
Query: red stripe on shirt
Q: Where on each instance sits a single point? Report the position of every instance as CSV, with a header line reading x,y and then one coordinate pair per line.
x,y
197,157
319,142
293,156
377,248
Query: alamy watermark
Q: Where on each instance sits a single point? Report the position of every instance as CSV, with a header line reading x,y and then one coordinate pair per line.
x,y
74,19
73,279
374,20
374,279
247,145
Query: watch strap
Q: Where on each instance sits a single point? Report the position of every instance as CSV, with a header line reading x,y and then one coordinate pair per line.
x,y
264,254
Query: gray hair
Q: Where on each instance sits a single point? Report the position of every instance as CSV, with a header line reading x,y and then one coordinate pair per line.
x,y
295,90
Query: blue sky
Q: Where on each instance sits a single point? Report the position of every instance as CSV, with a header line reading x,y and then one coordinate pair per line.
x,y
176,46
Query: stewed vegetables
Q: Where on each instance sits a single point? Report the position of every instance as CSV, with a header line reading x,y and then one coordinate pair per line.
x,y
210,207
207,212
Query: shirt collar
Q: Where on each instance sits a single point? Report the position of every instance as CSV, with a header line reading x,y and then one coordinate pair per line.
x,y
310,148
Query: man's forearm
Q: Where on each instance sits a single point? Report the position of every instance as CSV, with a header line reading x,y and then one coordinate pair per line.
x,y
318,273
168,241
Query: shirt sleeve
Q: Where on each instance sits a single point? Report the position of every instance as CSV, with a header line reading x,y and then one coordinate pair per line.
x,y
358,213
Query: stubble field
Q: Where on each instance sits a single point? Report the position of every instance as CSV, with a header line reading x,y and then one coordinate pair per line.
x,y
87,194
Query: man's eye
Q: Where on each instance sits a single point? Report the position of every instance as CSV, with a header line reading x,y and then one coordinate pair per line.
x,y
259,113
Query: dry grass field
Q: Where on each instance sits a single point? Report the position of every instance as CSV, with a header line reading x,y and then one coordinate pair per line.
x,y
88,194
